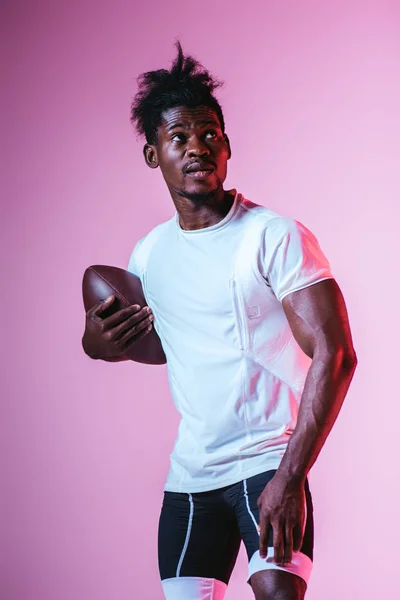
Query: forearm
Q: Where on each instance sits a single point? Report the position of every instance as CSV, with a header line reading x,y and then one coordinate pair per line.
x,y
326,385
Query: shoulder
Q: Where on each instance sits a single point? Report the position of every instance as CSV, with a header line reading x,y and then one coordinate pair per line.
x,y
144,245
148,240
270,223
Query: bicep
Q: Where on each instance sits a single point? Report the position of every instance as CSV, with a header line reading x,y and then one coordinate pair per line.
x,y
318,318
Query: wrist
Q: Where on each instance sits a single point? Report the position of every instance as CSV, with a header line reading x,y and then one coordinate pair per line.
x,y
291,474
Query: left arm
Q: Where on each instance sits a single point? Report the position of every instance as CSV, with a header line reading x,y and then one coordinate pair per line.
x,y
318,319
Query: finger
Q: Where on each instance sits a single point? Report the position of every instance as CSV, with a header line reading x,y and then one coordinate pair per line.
x,y
136,322
98,309
134,331
125,313
278,542
298,536
128,342
265,531
288,549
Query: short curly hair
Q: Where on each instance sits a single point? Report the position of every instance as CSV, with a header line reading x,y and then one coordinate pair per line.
x,y
187,84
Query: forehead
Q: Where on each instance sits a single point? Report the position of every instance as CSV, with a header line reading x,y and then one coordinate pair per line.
x,y
188,117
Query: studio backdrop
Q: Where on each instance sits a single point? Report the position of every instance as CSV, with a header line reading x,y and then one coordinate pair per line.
x,y
311,102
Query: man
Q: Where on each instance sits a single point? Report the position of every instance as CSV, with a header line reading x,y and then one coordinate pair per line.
x,y
258,348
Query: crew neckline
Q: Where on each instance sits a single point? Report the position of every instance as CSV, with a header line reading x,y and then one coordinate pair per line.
x,y
225,221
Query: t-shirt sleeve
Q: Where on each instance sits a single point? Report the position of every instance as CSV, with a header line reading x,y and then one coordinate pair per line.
x,y
293,259
134,262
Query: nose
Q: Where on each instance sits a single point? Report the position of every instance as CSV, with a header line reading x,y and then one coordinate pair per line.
x,y
196,147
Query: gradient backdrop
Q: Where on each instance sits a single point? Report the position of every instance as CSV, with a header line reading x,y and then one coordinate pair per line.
x,y
311,100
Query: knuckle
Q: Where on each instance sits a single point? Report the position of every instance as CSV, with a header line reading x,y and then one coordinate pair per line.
x,y
123,341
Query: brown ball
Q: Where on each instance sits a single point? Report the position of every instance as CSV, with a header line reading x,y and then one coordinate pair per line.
x,y
101,281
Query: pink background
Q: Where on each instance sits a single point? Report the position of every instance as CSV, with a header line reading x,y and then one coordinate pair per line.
x,y
311,102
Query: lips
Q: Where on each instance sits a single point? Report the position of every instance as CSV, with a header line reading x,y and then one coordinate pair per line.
x,y
194,167
200,174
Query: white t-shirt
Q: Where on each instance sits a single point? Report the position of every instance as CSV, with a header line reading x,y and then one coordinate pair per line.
x,y
236,374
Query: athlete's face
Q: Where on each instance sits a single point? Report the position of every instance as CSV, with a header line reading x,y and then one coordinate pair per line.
x,y
191,151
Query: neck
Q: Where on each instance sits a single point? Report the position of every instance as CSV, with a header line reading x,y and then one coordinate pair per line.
x,y
197,211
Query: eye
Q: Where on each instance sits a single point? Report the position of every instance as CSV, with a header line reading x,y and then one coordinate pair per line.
x,y
178,135
212,132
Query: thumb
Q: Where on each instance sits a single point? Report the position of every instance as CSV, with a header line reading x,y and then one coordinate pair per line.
x,y
102,306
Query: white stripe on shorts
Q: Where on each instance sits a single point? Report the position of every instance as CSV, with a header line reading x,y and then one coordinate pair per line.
x,y
248,506
189,529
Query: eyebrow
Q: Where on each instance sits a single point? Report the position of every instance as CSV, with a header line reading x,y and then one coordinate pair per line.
x,y
201,123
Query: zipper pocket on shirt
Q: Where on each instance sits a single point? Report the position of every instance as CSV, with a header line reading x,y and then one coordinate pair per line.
x,y
241,322
240,316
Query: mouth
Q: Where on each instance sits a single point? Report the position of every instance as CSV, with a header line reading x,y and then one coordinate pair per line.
x,y
200,174
199,169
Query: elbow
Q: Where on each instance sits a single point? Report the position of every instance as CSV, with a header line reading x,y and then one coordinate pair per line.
x,y
349,361
346,360
341,359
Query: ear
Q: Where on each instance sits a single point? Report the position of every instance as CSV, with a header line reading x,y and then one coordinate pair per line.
x,y
150,156
228,144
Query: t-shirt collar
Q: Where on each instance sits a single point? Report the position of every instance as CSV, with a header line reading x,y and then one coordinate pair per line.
x,y
228,217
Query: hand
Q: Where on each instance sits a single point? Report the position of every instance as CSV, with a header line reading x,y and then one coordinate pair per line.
x,y
112,336
282,508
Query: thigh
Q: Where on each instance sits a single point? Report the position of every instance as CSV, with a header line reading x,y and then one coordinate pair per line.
x,y
198,543
248,519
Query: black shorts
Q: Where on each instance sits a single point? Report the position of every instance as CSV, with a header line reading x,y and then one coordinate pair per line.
x,y
199,537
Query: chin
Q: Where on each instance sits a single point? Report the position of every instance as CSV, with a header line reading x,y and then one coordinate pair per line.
x,y
200,195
